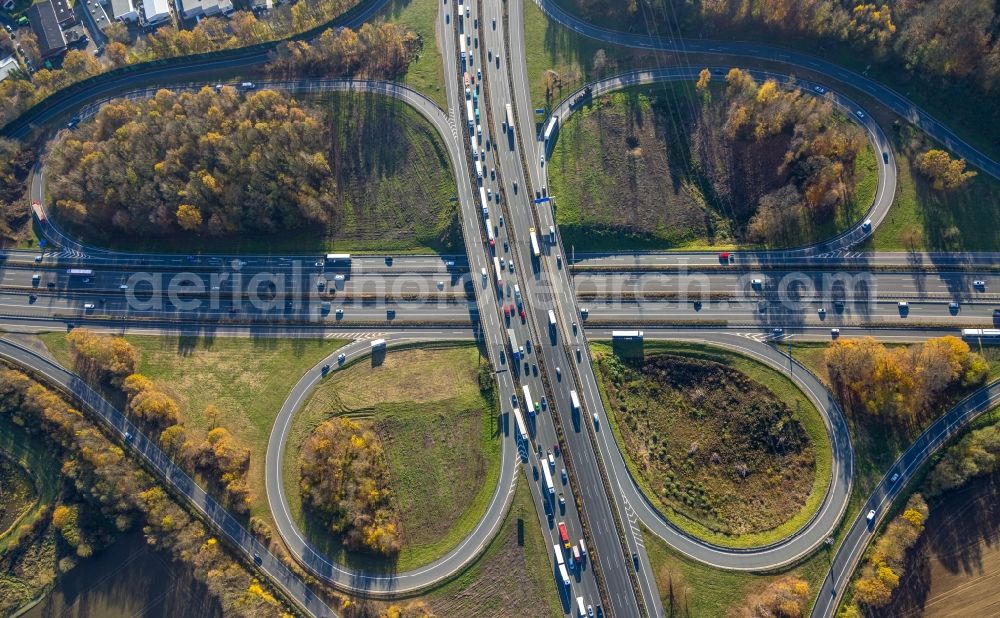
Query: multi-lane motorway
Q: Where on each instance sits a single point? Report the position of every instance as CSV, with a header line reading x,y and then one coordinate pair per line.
x,y
802,292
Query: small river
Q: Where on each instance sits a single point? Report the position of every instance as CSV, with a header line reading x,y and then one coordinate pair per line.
x,y
128,579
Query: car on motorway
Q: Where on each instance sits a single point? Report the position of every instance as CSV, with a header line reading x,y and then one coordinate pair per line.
x,y
545,403
524,316
506,312
559,260
834,333
756,283
510,266
867,225
494,23
562,504
565,477
635,560
953,307
860,114
822,313
904,307
552,460
558,374
979,284
498,61
341,358
123,287
894,477
777,332
38,258
541,161
555,449
88,306
819,89
256,559
590,611
885,158
870,517
513,400
340,313
724,257
597,421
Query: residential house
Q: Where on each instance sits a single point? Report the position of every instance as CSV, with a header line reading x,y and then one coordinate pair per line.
x,y
8,65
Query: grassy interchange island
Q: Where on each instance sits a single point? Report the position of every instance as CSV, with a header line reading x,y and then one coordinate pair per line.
x,y
431,413
262,173
728,448
722,163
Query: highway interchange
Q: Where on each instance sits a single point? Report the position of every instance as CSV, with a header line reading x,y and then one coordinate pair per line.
x,y
405,298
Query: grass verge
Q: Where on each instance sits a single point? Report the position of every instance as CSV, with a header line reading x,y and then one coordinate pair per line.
x,y
787,392
963,219
513,577
426,73
439,431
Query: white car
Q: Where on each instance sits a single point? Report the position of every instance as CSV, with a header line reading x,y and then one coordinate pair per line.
x,y
341,358
903,304
756,282
597,421
979,284
871,516
834,333
894,477
819,89
88,306
860,114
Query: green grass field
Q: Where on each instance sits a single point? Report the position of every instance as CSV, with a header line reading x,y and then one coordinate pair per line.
x,y
426,73
964,219
513,577
550,47
246,380
784,390
439,432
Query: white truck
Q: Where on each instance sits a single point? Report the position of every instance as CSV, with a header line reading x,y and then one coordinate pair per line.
x,y
378,344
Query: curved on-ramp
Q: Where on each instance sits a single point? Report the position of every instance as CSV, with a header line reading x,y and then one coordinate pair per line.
x,y
354,580
884,194
776,555
761,51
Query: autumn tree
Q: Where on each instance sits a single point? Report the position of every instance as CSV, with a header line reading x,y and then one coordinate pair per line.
x,y
786,598
155,407
226,461
900,383
103,357
344,476
189,217
943,171
127,170
884,567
